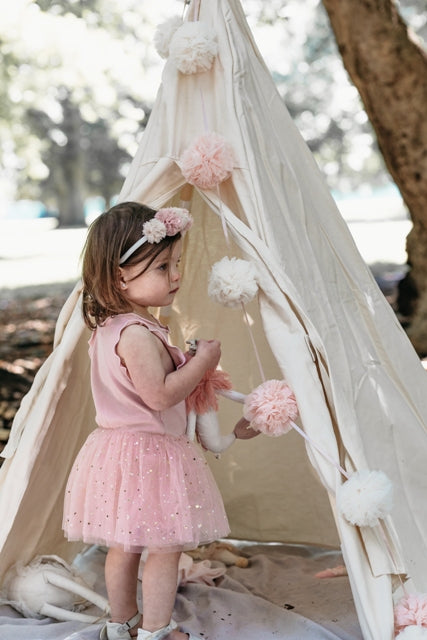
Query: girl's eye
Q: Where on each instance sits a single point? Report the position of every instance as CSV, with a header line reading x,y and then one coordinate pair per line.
x,y
164,267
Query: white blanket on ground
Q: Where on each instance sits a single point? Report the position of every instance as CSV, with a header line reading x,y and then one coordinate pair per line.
x,y
277,597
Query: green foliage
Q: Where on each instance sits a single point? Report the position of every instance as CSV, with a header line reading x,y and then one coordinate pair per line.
x,y
79,8
74,95
323,102
78,78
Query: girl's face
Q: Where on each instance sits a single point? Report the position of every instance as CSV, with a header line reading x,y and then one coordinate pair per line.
x,y
157,285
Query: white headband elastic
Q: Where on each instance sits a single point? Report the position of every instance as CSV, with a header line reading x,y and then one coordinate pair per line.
x,y
132,249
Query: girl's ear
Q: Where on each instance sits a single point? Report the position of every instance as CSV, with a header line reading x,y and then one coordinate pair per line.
x,y
121,281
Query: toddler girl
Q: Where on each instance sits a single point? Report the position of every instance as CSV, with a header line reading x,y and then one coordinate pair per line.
x,y
138,482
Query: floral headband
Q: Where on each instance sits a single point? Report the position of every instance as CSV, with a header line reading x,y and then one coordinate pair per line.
x,y
167,222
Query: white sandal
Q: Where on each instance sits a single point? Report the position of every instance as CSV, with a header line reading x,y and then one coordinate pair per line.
x,y
159,634
119,630
162,633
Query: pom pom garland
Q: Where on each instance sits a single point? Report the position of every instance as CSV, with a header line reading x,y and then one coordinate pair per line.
x,y
365,497
164,34
193,48
207,161
413,633
271,408
232,282
411,610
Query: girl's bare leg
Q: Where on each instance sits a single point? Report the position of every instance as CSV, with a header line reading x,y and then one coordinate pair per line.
x,y
121,577
159,584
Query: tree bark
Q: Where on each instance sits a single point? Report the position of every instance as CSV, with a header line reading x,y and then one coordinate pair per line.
x,y
69,174
389,69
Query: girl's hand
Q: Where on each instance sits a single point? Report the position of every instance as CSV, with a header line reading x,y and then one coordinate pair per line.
x,y
159,384
209,351
243,431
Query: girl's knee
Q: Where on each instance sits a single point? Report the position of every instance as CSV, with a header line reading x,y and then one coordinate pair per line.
x,y
163,557
117,554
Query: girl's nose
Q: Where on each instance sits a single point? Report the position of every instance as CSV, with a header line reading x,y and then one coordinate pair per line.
x,y
175,274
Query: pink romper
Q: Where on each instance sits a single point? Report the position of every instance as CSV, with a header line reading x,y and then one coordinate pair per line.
x,y
138,481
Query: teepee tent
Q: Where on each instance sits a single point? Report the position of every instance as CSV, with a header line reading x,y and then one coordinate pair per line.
x,y
319,321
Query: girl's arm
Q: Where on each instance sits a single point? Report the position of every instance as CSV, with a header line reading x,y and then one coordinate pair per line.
x,y
152,371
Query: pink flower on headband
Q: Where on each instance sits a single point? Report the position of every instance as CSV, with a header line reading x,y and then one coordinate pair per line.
x,y
167,222
154,230
175,220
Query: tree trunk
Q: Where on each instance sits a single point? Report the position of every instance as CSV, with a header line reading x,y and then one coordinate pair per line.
x,y
69,175
389,69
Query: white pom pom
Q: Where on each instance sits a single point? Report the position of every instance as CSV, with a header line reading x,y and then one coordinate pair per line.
x,y
164,34
154,230
365,497
193,47
232,282
414,632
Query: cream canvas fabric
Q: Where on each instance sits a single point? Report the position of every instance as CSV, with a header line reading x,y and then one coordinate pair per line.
x,y
319,321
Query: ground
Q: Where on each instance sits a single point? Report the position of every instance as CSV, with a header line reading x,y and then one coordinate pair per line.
x,y
27,324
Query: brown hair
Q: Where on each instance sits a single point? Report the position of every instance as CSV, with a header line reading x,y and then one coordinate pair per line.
x,y
109,237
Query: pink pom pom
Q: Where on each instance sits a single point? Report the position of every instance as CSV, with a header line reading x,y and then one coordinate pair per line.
x,y
174,219
411,610
271,407
170,220
203,397
208,161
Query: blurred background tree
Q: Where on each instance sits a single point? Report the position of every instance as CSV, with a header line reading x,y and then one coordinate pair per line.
x,y
317,88
76,93
368,128
78,79
388,65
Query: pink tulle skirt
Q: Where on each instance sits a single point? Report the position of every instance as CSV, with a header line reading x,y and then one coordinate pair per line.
x,y
133,489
